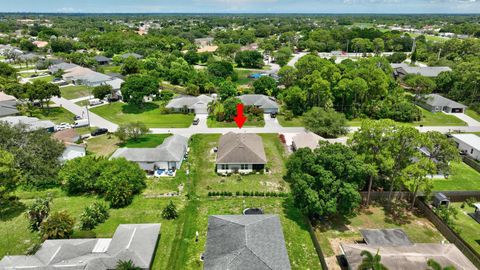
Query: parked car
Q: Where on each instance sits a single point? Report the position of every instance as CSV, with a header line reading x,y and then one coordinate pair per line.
x,y
99,131
273,115
77,117
196,121
81,123
62,126
94,102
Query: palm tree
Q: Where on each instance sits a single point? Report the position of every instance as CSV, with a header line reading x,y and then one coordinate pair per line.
x,y
127,265
371,262
436,266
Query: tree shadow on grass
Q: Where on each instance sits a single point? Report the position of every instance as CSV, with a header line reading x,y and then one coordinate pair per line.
x,y
11,210
396,213
136,109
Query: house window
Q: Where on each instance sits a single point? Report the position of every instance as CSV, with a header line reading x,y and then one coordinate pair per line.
x,y
471,151
224,166
244,166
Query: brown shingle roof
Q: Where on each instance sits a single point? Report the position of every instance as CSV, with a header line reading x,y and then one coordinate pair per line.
x,y
67,135
241,148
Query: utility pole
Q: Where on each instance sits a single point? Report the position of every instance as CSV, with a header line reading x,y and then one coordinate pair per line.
x,y
88,115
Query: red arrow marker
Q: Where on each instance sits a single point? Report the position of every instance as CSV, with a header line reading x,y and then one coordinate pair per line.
x,y
240,118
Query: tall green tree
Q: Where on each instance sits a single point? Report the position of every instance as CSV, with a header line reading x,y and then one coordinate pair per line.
x,y
137,87
9,175
326,123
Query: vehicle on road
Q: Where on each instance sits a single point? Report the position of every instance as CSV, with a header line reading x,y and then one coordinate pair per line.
x,y
196,121
62,126
81,123
99,131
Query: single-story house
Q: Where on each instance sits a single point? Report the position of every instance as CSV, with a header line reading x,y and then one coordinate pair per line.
x,y
69,137
135,55
306,139
245,242
135,242
398,252
61,66
240,152
198,105
402,69
102,60
32,123
468,144
40,43
438,103
267,104
167,156
85,76
8,105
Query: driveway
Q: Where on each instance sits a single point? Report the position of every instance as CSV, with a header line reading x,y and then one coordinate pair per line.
x,y
270,122
467,119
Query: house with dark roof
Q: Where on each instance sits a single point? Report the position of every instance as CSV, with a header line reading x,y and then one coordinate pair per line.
x,y
167,156
398,252
135,242
102,60
238,242
240,153
438,103
267,104
402,69
8,105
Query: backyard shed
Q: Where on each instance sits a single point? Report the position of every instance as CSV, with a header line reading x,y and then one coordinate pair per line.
x,y
439,199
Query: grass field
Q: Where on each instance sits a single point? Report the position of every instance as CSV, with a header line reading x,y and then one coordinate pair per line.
x,y
111,69
55,114
212,123
151,115
103,145
332,232
243,74
463,177
146,141
295,122
468,226
77,91
48,78
16,238
473,114
208,180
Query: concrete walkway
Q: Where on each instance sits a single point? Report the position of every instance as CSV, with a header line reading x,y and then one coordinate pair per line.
x,y
95,120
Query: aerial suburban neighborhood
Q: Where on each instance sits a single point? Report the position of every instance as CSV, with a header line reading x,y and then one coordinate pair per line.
x,y
142,135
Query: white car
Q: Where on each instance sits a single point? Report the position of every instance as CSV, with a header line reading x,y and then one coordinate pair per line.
x,y
62,126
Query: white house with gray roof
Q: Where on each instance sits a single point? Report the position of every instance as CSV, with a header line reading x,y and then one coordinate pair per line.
x,y
438,103
31,123
167,156
240,153
135,242
402,69
198,105
237,242
468,144
267,104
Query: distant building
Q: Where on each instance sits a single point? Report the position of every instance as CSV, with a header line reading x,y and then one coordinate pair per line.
x,y
468,144
402,69
245,242
134,242
102,60
69,137
198,105
32,123
438,103
306,140
135,55
204,42
40,44
267,104
8,105
240,153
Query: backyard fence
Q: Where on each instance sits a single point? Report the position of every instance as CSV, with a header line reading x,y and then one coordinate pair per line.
x,y
316,244
447,232
472,163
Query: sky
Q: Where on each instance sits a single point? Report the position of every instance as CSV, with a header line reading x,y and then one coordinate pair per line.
x,y
241,6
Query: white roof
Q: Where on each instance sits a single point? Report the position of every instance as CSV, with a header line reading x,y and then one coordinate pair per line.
x,y
471,139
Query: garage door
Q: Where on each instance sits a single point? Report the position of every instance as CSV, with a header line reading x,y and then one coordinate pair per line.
x,y
457,110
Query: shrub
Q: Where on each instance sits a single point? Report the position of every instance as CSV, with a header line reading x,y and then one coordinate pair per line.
x,y
59,225
119,195
170,211
93,215
126,265
37,212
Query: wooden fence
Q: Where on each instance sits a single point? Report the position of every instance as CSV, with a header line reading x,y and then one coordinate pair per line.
x,y
472,163
316,244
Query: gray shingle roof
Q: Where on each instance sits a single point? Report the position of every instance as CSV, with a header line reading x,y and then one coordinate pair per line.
x,y
261,101
190,102
386,237
32,123
424,71
438,100
241,148
62,66
134,242
172,149
127,55
8,107
245,242
101,58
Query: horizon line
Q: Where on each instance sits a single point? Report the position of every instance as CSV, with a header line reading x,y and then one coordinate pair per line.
x,y
230,13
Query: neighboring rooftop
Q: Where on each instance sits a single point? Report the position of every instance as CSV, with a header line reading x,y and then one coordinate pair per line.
x,y
469,139
241,148
306,139
32,123
8,105
424,71
68,135
386,237
127,55
409,256
245,242
438,100
189,101
135,242
261,101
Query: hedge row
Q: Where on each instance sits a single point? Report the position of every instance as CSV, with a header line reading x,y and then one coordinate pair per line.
x,y
247,194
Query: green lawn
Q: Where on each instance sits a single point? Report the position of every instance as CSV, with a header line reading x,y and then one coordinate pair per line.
x,y
335,231
103,145
468,226
463,177
146,141
111,69
55,114
208,180
16,238
294,122
151,115
77,91
212,123
243,74
439,119
48,78
83,103
473,114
